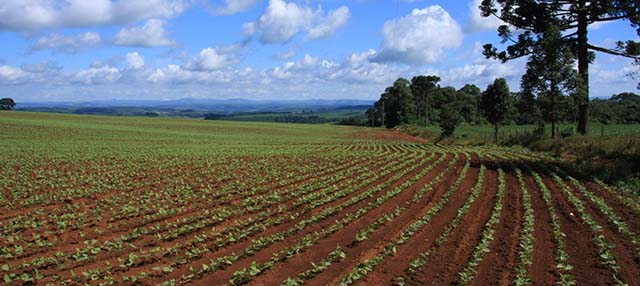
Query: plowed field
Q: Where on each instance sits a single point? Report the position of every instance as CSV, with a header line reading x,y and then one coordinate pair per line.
x,y
89,200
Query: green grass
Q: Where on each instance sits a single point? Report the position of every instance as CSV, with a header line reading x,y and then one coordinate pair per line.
x,y
609,152
484,133
47,134
270,117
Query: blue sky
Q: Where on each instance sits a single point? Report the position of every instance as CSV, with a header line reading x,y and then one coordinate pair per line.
x,y
78,50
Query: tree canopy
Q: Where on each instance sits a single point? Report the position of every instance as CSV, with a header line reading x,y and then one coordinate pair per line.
x,y
550,74
7,104
396,105
572,19
422,101
496,104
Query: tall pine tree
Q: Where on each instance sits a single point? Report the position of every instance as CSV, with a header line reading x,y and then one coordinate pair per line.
x,y
550,74
573,18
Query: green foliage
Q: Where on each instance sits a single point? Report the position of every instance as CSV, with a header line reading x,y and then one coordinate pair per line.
x,y
623,108
426,105
305,185
466,275
7,103
496,104
423,89
571,19
550,74
397,104
526,109
450,118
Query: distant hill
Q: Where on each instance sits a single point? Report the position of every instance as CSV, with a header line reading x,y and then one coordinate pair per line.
x,y
200,108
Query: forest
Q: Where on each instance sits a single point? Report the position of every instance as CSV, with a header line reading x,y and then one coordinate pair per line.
x,y
554,38
422,101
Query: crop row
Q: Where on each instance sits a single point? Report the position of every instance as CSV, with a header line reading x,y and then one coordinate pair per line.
x,y
304,243
424,257
121,241
482,248
363,268
309,240
225,242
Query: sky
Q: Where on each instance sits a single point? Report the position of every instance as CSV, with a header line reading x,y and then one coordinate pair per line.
x,y
79,50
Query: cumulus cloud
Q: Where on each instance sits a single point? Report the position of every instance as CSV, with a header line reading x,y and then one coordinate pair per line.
x,y
235,6
249,28
419,37
212,74
477,23
286,55
175,74
282,21
9,73
353,70
482,74
151,34
67,44
361,69
156,76
209,59
42,67
34,14
134,60
328,26
97,74
23,15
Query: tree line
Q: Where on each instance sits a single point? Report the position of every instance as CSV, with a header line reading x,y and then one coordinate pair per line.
x,y
553,36
422,101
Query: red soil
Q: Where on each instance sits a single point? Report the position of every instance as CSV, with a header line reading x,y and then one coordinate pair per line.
x,y
497,267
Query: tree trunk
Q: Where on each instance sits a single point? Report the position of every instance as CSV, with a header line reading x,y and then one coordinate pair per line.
x,y
384,115
583,69
553,109
495,133
426,111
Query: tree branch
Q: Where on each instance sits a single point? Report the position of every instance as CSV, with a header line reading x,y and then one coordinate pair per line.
x,y
609,19
612,52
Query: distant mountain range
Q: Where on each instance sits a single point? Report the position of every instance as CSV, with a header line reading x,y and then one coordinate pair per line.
x,y
227,109
224,106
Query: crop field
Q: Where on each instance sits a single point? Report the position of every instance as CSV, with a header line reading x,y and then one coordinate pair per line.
x,y
98,200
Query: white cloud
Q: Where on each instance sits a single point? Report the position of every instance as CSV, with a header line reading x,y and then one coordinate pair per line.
x,y
175,74
420,37
10,73
354,70
97,74
212,74
249,28
481,74
208,59
156,76
22,15
334,21
477,23
151,34
134,60
235,6
286,55
282,21
42,67
360,68
68,44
